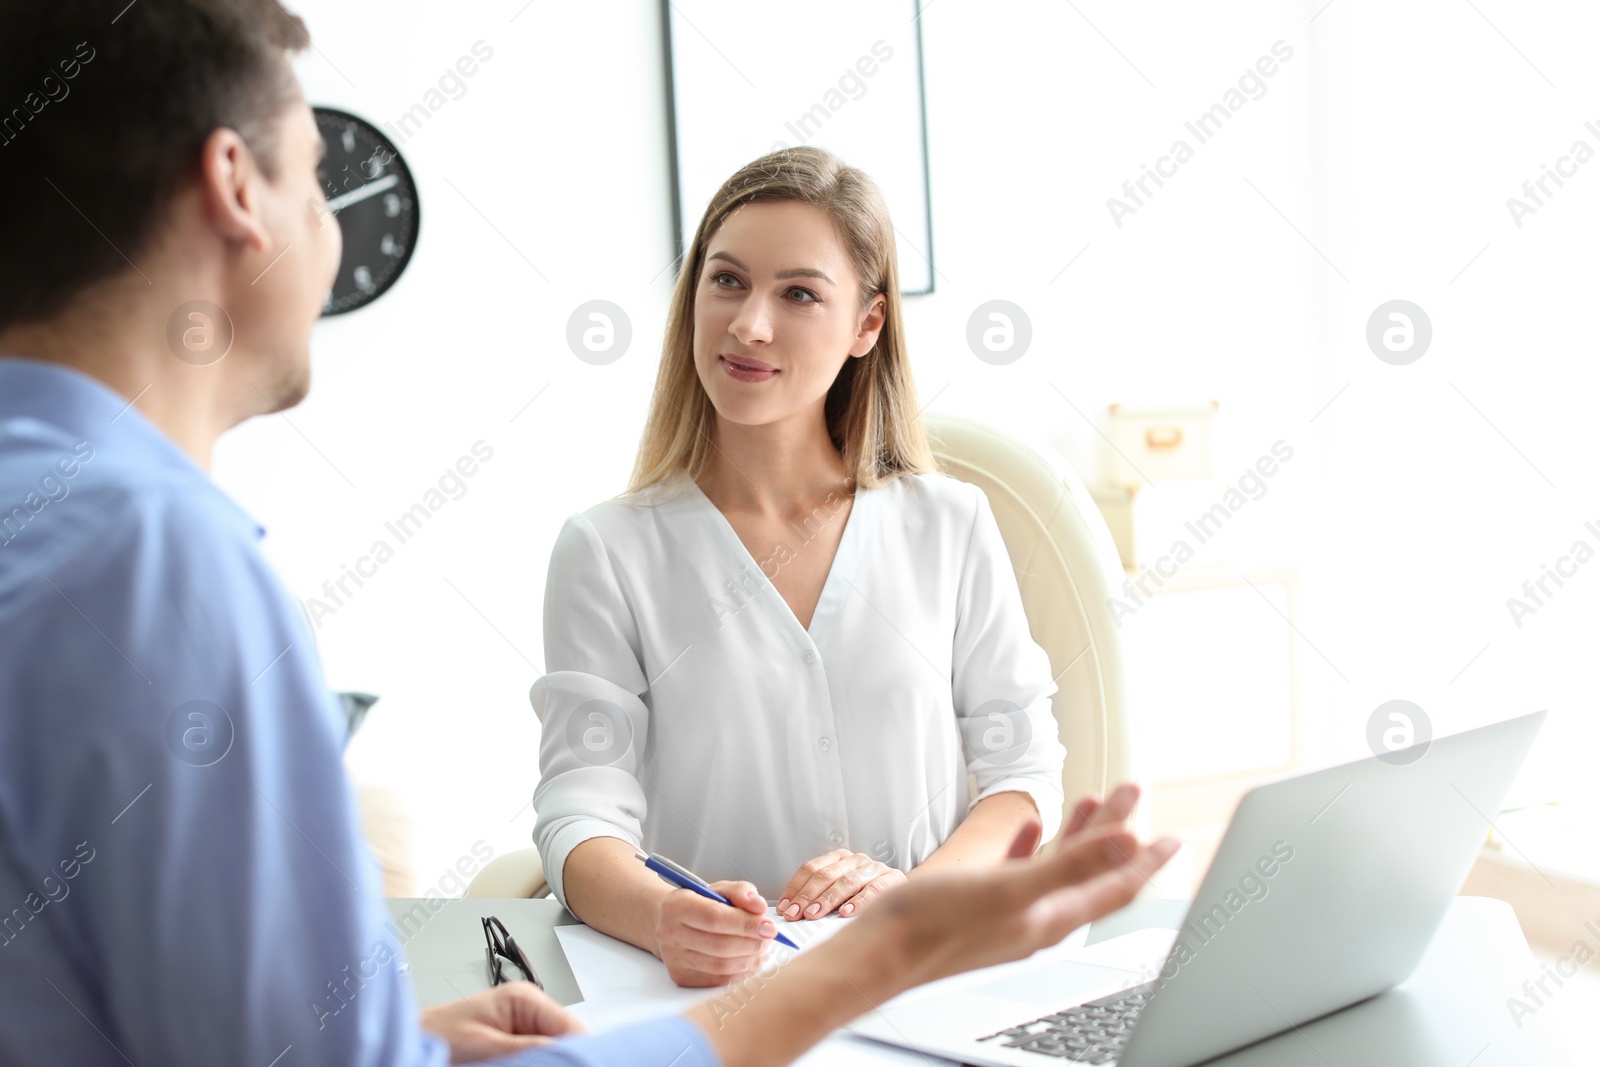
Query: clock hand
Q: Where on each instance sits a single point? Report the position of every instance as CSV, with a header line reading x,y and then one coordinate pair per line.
x,y
355,196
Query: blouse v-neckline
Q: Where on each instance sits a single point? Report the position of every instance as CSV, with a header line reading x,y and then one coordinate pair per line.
x,y
844,560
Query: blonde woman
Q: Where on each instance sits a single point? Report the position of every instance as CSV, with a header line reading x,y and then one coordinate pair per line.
x,y
778,658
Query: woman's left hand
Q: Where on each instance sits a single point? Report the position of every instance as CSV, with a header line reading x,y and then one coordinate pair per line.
x,y
847,881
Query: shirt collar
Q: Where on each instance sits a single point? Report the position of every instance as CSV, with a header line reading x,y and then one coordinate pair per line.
x,y
89,410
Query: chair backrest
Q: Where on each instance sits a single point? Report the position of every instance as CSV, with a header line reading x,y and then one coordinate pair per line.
x,y
1067,568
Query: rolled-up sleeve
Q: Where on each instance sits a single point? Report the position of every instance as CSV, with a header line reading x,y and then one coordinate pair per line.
x,y
1001,680
594,723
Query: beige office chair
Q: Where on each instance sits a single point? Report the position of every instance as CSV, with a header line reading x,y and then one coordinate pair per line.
x,y
516,874
1066,567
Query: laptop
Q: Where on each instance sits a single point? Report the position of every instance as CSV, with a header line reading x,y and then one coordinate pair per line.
x,y
1326,890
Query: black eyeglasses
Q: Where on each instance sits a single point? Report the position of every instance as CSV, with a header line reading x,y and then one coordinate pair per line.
x,y
502,948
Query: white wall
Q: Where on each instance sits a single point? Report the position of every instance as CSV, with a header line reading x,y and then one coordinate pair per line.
x,y
1389,142
560,142
1448,483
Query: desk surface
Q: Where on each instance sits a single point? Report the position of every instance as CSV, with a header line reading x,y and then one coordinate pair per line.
x,y
1453,1012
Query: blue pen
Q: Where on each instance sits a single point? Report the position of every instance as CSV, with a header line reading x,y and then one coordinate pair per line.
x,y
686,879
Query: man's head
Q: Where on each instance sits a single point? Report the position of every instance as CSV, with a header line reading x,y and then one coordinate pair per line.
x,y
157,159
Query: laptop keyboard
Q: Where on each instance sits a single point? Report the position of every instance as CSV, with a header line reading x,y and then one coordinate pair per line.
x,y
1089,1033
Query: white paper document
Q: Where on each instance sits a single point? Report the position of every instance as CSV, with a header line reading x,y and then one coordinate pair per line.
x,y
621,983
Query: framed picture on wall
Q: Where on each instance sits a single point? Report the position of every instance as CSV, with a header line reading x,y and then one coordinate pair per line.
x,y
846,75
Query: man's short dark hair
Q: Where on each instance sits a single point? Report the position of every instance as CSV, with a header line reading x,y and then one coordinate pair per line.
x,y
104,107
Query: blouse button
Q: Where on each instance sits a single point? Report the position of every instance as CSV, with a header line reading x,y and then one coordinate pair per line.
x,y
836,838
808,656
824,744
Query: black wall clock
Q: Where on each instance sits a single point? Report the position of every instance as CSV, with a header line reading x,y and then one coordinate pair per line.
x,y
371,194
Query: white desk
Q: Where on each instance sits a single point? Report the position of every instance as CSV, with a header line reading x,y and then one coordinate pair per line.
x,y
1451,1013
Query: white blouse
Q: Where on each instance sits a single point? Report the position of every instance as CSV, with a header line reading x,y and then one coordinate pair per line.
x,y
687,712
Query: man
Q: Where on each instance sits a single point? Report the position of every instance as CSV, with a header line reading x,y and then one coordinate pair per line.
x,y
181,872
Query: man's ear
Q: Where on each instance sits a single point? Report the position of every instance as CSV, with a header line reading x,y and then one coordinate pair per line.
x,y
871,325
231,189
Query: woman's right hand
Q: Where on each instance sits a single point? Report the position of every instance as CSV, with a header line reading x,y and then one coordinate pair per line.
x,y
704,943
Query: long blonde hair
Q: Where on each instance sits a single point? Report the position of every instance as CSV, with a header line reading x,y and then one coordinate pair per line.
x,y
871,408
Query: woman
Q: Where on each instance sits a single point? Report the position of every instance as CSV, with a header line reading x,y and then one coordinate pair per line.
x,y
778,658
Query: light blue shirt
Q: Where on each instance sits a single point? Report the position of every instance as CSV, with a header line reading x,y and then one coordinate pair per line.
x,y
182,874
